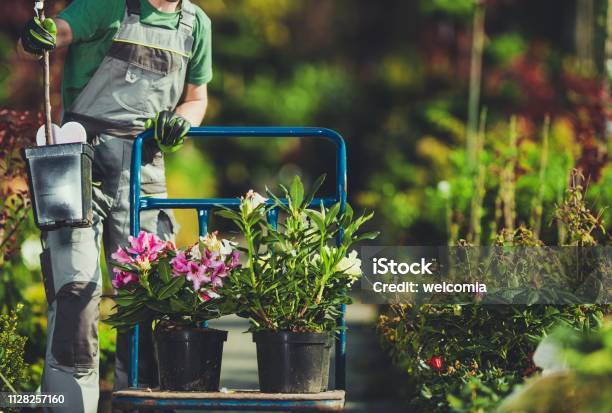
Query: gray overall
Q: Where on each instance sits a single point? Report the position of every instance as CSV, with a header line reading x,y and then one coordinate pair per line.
x,y
143,73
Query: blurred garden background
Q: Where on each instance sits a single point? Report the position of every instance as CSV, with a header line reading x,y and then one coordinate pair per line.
x,y
464,120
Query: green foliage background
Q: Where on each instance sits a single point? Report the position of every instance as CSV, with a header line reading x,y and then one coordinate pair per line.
x,y
393,78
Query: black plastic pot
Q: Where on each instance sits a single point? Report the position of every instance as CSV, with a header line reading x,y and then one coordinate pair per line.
x,y
326,360
60,184
189,358
291,362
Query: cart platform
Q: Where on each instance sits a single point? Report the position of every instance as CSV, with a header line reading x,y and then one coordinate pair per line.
x,y
329,401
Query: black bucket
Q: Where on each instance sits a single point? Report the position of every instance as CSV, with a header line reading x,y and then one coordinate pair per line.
x,y
60,184
291,362
326,360
189,358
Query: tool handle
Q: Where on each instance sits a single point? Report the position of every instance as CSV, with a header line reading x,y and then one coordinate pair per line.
x,y
47,87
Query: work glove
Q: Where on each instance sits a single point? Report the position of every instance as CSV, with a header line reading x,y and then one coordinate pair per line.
x,y
169,130
38,36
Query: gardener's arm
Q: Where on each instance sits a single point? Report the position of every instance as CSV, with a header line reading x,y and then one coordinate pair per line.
x,y
194,102
62,38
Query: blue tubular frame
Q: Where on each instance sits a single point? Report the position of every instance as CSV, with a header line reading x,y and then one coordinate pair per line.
x,y
204,206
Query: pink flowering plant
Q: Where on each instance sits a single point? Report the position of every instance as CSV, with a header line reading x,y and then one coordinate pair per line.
x,y
154,280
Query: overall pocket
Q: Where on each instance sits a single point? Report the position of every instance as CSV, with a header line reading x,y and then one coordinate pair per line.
x,y
137,89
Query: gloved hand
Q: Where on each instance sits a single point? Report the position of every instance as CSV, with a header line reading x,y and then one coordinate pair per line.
x,y
169,130
38,36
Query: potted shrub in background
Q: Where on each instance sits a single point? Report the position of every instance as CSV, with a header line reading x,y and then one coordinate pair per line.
x,y
178,290
293,284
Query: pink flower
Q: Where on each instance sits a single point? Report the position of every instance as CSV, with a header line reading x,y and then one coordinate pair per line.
x,y
217,282
123,278
197,275
170,246
218,269
121,256
180,264
235,260
147,245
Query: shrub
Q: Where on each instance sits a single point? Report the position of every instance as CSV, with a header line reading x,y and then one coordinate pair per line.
x,y
466,350
12,366
468,357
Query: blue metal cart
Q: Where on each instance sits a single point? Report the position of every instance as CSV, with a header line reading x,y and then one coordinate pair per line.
x,y
139,398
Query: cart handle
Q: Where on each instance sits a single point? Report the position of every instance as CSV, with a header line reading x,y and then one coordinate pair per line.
x,y
203,206
138,203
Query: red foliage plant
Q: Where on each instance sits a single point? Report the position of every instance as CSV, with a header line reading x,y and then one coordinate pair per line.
x,y
17,130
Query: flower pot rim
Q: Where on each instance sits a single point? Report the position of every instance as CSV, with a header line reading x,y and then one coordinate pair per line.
x,y
292,337
190,333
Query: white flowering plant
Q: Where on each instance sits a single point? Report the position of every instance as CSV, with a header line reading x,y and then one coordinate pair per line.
x,y
296,276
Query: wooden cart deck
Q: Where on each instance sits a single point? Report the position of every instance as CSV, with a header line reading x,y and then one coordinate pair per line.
x,y
329,401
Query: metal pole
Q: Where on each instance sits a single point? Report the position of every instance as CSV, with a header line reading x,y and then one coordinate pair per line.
x,y
202,221
134,229
40,7
341,193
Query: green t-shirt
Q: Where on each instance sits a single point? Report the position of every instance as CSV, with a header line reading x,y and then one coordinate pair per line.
x,y
94,23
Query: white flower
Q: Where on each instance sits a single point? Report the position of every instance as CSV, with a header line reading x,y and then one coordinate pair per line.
x,y
252,200
351,266
194,251
211,242
227,247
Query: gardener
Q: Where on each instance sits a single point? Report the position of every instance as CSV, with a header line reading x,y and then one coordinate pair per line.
x,y
130,65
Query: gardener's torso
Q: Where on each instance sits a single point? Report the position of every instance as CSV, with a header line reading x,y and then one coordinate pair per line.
x,y
143,70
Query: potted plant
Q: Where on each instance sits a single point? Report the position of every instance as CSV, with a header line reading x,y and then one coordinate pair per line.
x,y
294,281
178,290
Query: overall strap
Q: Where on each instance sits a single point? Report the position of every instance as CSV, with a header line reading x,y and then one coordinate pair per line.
x,y
133,7
186,19
188,16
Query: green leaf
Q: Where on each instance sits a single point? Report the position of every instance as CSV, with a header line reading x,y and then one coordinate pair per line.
x,y
231,215
332,213
227,213
165,271
284,189
296,192
159,306
347,216
127,317
317,218
172,288
277,200
367,235
177,305
315,188
124,301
